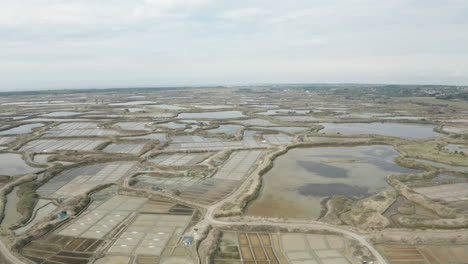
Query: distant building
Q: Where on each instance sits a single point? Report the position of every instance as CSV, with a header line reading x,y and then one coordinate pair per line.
x,y
187,241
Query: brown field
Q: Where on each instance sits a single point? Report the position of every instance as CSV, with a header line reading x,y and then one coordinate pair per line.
x,y
243,239
265,239
246,254
422,254
61,249
270,253
258,252
254,240
255,248
147,260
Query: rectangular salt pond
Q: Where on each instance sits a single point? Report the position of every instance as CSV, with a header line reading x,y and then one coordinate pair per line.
x,y
227,129
49,145
6,140
78,181
64,113
134,125
285,111
124,148
168,107
409,131
180,159
217,115
172,125
159,136
132,103
302,177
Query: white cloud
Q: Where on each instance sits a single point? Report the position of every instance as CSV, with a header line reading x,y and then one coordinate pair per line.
x,y
243,13
193,41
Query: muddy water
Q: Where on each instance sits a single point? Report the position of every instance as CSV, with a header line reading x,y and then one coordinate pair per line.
x,y
11,214
13,164
302,177
409,131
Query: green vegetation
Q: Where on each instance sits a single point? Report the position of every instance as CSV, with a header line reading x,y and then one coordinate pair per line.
x,y
28,198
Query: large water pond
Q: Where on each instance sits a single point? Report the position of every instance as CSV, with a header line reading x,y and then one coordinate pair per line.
x,y
13,164
409,131
23,129
303,177
219,115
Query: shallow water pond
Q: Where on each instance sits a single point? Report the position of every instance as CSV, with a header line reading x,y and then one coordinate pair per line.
x,y
409,131
13,164
23,129
227,129
302,177
219,115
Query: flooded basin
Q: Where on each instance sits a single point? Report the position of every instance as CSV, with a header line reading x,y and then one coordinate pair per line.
x,y
23,129
409,131
218,115
13,164
302,177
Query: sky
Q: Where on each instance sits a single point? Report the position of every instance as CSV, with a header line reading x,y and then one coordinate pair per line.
x,y
54,44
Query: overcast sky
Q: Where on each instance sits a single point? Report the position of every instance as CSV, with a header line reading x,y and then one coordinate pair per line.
x,y
114,43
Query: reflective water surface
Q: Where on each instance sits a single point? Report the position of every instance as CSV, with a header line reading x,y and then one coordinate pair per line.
x,y
302,177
